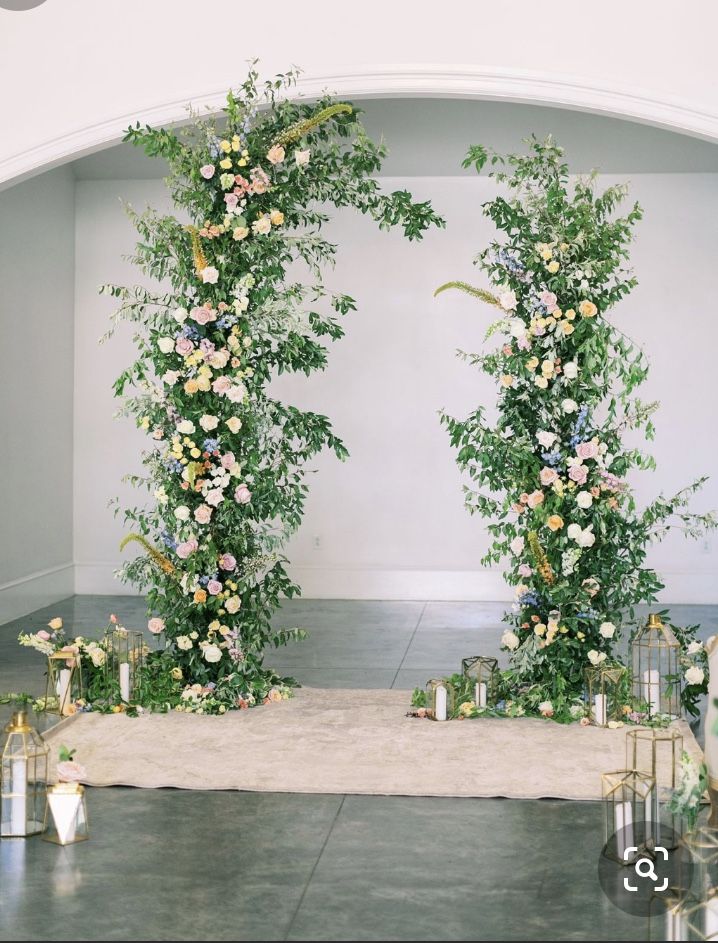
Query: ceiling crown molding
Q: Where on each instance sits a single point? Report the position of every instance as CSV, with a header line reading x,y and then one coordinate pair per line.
x,y
411,81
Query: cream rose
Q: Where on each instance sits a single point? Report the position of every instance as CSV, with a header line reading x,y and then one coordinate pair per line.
x,y
209,275
301,158
607,629
166,344
182,513
184,642
212,653
262,225
584,499
209,422
510,640
694,675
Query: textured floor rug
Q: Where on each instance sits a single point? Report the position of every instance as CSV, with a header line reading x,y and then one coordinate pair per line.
x,y
347,741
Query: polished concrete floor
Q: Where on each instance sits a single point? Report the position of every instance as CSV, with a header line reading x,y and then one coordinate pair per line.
x,y
181,865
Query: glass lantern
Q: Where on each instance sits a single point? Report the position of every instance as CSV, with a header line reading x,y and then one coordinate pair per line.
x,y
23,783
657,751
66,814
439,699
125,657
484,672
702,845
604,689
64,683
629,809
689,917
655,653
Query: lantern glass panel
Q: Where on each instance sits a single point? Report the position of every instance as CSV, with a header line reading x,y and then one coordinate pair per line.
x,y
125,658
439,699
64,684
23,779
655,653
484,673
629,814
604,690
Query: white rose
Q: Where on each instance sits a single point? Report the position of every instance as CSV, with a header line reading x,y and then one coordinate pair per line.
x,y
573,531
510,640
262,225
97,656
180,315
210,275
182,513
236,393
607,629
596,657
584,499
541,381
186,427
301,158
212,653
569,406
517,545
695,646
209,422
234,424
587,538
507,300
233,603
694,675
570,370
546,439
166,344
184,642
170,377
517,328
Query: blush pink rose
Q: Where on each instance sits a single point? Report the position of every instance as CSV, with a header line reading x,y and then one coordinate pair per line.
x,y
586,450
578,473
242,494
184,346
70,772
228,460
207,171
45,636
548,475
227,562
214,587
203,514
203,315
535,498
214,497
186,549
548,299
231,199
156,625
525,570
221,386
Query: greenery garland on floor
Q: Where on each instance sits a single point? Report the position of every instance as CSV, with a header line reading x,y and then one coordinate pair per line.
x,y
227,463
551,473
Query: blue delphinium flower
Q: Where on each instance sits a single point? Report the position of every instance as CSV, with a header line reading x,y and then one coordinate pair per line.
x,y
168,540
552,458
209,445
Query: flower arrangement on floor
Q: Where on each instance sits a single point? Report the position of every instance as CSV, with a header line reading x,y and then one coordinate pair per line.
x,y
551,473
226,466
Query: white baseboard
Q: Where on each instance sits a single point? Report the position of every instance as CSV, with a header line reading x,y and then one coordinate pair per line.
x,y
35,591
367,583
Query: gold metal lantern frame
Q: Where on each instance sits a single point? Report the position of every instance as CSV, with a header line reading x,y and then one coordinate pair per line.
x,y
655,654
23,779
64,683
629,811
604,689
657,751
685,917
484,673
125,658
440,699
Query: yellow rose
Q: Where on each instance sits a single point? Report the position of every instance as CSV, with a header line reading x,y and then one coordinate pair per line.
x,y
507,380
546,253
553,267
55,624
236,144
539,629
204,384
240,232
564,247
557,313
226,163
570,314
580,636
567,327
532,363
555,522
191,387
234,424
558,487
547,368
541,382
205,371
276,217
587,309
176,674
242,162
225,146
195,453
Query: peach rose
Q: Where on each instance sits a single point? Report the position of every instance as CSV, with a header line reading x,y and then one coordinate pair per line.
x,y
587,309
200,596
535,498
555,522
276,154
548,475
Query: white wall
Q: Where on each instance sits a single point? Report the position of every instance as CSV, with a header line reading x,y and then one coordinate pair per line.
x,y
36,379
390,522
77,72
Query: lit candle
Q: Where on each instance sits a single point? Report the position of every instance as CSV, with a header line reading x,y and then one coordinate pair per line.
x,y
125,681
652,690
599,709
624,827
64,689
440,712
480,694
18,797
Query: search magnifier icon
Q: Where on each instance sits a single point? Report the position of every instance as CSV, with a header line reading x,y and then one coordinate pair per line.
x,y
645,868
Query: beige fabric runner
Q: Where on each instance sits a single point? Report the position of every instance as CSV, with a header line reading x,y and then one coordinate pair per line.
x,y
347,741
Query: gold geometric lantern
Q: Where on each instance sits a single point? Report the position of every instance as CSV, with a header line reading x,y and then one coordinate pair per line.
x,y
439,699
66,814
605,693
23,779
629,804
686,917
64,683
657,752
125,657
655,653
484,672
702,844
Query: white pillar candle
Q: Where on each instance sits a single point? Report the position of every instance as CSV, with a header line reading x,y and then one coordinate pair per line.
x,y
64,688
652,690
125,681
440,712
674,924
624,827
710,927
599,709
480,694
18,798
